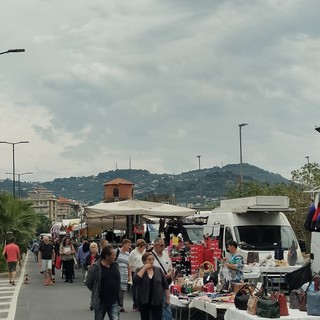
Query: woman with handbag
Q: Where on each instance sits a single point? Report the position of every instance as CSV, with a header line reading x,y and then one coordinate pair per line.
x,y
234,262
151,287
67,252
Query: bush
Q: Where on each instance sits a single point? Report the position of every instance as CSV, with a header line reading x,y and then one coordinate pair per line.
x,y
3,264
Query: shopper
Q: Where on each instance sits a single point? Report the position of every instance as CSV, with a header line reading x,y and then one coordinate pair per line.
x,y
135,262
152,286
67,253
122,255
46,255
163,261
11,252
103,280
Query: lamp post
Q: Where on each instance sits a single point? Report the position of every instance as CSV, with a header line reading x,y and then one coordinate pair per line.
x,y
240,129
308,168
19,181
13,164
13,51
200,180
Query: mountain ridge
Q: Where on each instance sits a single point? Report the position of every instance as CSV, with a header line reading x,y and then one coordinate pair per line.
x,y
186,187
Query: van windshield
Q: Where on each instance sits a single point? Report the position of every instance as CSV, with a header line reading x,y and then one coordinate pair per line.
x,y
195,234
264,237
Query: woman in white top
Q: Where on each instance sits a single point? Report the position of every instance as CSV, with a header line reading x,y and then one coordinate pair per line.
x,y
125,274
67,252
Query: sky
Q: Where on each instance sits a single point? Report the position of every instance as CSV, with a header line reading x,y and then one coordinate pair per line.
x,y
158,82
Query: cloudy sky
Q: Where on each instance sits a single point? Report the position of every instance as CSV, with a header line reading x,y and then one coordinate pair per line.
x,y
159,81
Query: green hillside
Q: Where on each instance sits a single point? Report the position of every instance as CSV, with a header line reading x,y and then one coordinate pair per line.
x,y
186,187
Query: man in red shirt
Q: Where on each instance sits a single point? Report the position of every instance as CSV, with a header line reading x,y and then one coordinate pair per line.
x,y
11,252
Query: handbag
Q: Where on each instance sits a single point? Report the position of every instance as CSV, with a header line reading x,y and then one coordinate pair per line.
x,y
252,304
252,257
58,262
242,297
313,303
303,301
211,277
267,308
283,305
313,299
294,299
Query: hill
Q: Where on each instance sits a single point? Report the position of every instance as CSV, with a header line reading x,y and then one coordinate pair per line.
x,y
186,187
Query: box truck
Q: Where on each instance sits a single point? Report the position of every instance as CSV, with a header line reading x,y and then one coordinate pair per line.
x,y
255,223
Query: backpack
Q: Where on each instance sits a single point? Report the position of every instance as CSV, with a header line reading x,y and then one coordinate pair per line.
x,y
35,247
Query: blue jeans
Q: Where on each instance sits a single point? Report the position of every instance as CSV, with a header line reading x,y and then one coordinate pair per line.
x,y
166,309
113,311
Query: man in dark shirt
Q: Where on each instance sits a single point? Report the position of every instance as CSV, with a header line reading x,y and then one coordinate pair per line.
x,y
103,280
46,255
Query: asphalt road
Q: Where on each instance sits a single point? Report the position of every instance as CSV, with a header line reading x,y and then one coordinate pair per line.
x,y
59,301
34,301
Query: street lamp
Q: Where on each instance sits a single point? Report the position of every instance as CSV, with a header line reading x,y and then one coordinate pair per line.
x,y
240,129
19,181
200,180
13,51
13,164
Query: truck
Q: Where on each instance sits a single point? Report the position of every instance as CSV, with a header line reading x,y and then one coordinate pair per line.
x,y
255,223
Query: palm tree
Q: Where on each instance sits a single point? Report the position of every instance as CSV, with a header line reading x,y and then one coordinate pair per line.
x,y
17,217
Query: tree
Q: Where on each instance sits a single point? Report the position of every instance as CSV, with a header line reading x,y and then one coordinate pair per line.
x,y
17,219
44,224
307,176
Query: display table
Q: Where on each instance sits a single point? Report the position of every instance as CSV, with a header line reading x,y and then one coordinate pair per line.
x,y
294,314
179,304
281,271
209,307
201,305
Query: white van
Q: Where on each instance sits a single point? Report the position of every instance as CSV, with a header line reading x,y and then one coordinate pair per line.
x,y
255,223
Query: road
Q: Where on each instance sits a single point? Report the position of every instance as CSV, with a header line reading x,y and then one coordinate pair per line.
x,y
59,301
34,301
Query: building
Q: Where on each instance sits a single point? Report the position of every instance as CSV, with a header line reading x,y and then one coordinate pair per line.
x,y
66,208
43,201
118,190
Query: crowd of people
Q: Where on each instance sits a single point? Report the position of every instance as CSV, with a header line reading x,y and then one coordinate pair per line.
x,y
108,272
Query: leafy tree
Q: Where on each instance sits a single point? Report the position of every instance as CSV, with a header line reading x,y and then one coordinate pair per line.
x,y
307,176
44,224
17,219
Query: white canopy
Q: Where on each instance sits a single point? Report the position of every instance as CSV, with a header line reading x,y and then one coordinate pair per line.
x,y
136,207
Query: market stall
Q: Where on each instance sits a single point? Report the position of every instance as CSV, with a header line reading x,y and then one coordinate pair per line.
x,y
116,215
294,314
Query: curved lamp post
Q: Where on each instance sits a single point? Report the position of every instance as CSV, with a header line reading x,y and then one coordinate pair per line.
x,y
13,164
19,181
13,51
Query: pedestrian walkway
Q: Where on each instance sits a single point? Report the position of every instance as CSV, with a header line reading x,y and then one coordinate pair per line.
x,y
59,301
6,295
